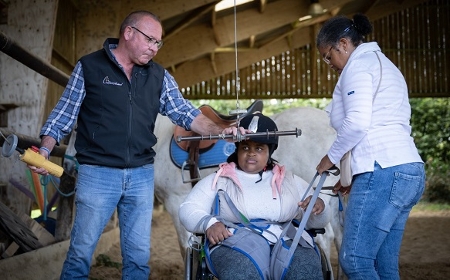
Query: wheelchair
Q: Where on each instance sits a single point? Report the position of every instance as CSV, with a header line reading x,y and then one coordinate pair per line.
x,y
197,269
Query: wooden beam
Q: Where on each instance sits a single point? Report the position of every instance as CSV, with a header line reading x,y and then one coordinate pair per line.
x,y
314,30
214,29
232,49
298,26
262,5
185,75
289,41
41,66
368,5
213,62
384,9
164,9
200,40
251,41
194,16
189,73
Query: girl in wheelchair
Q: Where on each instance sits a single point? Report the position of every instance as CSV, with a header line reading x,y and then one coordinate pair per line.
x,y
243,207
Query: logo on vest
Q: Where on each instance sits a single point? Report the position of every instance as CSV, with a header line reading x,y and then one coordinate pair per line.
x,y
106,81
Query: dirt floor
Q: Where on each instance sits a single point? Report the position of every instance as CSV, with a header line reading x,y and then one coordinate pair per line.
x,y
425,252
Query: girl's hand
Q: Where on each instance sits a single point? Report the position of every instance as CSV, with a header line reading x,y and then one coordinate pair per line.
x,y
318,208
217,233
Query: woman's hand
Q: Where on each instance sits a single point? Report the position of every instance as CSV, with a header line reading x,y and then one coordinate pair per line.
x,y
318,208
324,165
217,233
339,188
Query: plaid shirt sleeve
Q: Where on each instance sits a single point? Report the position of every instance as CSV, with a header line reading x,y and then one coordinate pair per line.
x,y
173,105
63,117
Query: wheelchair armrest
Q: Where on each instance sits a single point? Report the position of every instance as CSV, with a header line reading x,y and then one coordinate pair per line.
x,y
312,231
315,231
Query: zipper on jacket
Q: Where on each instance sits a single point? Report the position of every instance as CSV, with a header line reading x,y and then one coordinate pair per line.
x,y
129,140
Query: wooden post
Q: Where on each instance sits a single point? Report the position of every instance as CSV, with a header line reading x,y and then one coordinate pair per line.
x,y
39,65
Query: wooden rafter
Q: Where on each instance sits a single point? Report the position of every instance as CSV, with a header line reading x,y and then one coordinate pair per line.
x,y
213,62
194,16
262,5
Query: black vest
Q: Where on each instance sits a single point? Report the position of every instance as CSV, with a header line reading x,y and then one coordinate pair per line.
x,y
117,117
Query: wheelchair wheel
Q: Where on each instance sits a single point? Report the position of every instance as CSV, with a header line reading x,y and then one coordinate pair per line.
x,y
188,265
195,264
327,270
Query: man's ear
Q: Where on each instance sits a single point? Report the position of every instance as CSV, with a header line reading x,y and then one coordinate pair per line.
x,y
127,34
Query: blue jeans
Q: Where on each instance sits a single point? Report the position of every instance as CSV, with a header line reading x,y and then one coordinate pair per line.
x,y
378,207
99,191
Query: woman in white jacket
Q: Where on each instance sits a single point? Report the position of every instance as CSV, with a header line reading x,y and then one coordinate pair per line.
x,y
261,190
370,111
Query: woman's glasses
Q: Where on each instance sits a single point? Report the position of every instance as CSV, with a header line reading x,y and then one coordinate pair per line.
x,y
327,57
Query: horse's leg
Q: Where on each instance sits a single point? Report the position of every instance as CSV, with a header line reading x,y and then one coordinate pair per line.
x,y
337,225
325,240
172,193
172,205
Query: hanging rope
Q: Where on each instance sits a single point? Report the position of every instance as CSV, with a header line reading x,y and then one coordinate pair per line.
x,y
238,85
238,110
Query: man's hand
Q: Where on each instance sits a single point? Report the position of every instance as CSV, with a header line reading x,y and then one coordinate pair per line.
x,y
204,126
234,130
47,144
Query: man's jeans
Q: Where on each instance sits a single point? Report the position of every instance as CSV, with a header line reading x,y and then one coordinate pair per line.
x,y
99,191
378,207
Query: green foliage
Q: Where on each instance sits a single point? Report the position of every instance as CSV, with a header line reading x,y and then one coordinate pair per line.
x,y
430,123
430,206
438,184
271,106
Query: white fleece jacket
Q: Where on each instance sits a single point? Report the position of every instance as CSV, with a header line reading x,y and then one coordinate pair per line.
x,y
375,129
254,199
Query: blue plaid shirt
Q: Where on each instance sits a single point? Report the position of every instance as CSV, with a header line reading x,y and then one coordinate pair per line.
x,y
63,117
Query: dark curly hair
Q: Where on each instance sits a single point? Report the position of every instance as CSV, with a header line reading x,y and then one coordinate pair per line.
x,y
342,27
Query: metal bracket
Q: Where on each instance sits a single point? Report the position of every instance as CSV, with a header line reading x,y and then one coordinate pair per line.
x,y
183,166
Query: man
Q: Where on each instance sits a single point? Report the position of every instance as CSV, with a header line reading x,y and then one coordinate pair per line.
x,y
115,95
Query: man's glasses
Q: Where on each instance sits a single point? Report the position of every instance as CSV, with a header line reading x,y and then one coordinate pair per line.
x,y
150,40
327,57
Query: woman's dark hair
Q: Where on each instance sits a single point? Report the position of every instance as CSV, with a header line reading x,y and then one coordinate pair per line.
x,y
342,27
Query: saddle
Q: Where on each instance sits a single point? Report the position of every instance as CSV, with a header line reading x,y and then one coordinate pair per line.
x,y
195,148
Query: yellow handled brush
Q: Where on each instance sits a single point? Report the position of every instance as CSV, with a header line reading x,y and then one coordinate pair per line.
x,y
31,156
